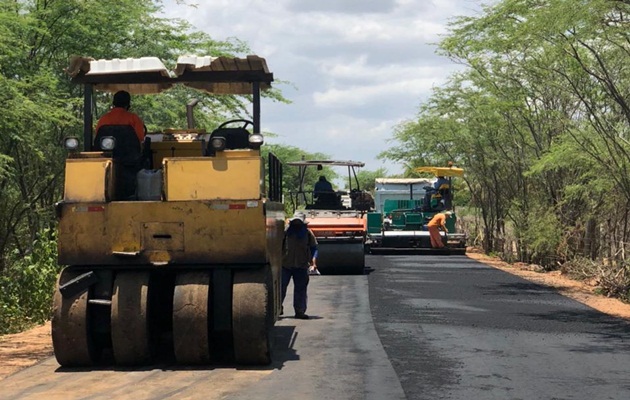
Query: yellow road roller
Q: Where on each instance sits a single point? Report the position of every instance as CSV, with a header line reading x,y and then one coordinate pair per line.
x,y
172,247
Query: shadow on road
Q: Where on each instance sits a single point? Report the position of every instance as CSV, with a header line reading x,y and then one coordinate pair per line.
x,y
520,288
282,338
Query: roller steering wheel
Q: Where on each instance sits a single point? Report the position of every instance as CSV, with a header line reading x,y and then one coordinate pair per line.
x,y
245,122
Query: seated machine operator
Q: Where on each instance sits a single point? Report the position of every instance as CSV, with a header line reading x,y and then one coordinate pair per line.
x,y
441,181
324,192
120,115
129,154
442,187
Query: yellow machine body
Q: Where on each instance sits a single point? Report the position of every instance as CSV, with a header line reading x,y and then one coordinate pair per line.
x,y
212,240
181,148
212,213
172,245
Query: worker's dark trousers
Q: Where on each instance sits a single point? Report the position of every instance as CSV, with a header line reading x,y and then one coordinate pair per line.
x,y
300,282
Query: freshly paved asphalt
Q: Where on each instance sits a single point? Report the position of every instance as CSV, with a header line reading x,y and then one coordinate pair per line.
x,y
415,327
456,329
335,355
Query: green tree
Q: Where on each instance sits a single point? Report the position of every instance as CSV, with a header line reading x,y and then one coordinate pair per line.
x,y
41,107
367,178
539,120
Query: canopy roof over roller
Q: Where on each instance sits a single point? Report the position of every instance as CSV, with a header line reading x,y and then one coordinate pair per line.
x,y
442,171
327,163
147,75
215,75
303,165
401,181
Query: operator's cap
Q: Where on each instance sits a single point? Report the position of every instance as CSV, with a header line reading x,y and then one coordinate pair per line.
x,y
299,216
448,213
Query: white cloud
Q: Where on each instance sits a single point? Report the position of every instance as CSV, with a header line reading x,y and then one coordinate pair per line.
x,y
358,29
345,6
360,66
360,70
362,95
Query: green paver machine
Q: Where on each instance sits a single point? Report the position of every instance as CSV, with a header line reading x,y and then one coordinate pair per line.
x,y
399,224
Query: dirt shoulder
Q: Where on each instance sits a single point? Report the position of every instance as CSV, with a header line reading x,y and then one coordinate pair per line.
x,y
21,350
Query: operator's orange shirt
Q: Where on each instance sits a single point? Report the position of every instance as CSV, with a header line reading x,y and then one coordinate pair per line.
x,y
438,219
120,116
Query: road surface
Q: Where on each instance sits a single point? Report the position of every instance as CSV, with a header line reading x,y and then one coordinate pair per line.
x,y
456,329
335,355
414,327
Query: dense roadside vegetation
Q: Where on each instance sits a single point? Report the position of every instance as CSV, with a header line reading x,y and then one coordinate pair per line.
x,y
41,107
540,120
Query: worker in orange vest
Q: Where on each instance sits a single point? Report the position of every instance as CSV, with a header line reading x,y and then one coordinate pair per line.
x,y
438,222
120,115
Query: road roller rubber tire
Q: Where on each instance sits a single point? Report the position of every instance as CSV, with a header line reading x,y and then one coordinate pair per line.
x,y
191,316
71,337
252,316
131,341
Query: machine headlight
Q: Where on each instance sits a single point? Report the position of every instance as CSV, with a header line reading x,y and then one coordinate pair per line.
x,y
108,143
218,143
256,140
71,143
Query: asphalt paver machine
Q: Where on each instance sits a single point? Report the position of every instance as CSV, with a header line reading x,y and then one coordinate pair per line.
x,y
399,225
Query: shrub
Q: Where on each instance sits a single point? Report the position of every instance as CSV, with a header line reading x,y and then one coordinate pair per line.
x,y
611,279
27,285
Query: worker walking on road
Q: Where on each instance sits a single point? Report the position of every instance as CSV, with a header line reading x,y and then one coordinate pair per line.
x,y
438,222
300,253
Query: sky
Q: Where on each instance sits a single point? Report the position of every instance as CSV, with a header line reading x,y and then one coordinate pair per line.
x,y
352,69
